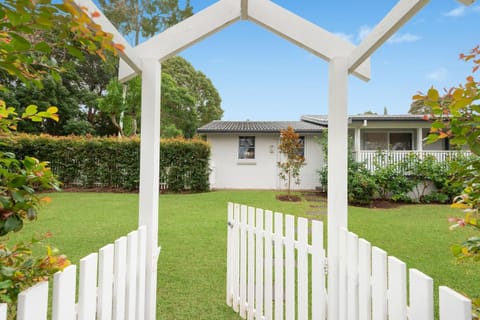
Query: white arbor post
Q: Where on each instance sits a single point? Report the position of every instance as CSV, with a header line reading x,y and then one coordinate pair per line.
x,y
149,175
337,173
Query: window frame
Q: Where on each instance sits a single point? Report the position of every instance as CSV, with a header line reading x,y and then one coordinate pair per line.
x,y
241,153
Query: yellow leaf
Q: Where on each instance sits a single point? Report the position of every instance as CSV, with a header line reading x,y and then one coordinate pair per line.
x,y
433,94
52,109
458,205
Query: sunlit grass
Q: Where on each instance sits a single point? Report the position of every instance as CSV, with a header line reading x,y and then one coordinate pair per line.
x,y
192,234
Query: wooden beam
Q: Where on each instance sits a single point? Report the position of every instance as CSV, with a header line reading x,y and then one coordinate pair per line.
x,y
396,18
185,34
128,55
303,33
244,9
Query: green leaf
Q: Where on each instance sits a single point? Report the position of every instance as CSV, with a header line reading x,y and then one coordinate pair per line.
x,y
438,125
18,197
18,42
43,47
30,111
17,182
75,52
13,223
5,284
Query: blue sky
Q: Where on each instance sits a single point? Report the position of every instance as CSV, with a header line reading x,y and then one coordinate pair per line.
x,y
261,76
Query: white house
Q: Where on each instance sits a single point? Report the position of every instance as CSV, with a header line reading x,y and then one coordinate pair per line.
x,y
245,153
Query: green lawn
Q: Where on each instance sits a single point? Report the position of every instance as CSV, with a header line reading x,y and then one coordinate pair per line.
x,y
192,233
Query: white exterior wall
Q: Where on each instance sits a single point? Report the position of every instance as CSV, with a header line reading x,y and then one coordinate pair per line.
x,y
261,172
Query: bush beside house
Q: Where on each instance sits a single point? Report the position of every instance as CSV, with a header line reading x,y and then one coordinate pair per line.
x,y
110,163
414,179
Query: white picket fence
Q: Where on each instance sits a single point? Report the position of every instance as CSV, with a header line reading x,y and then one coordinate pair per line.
x,y
111,286
275,272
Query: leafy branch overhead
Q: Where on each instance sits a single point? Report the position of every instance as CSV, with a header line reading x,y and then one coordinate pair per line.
x,y
25,52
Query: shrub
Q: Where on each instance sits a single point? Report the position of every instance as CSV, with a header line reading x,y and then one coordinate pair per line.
x,y
87,162
362,188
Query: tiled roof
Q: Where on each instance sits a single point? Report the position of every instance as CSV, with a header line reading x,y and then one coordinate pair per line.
x,y
323,119
258,126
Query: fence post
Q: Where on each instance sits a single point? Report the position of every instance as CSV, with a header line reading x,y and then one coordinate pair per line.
x,y
337,172
149,176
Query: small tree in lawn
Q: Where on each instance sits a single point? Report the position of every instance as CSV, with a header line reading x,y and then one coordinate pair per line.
x,y
290,146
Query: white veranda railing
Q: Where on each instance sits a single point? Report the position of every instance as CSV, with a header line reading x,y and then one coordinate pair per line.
x,y
372,159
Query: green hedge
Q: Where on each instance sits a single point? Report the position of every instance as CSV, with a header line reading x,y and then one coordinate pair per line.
x,y
110,163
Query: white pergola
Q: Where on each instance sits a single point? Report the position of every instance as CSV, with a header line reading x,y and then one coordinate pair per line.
x,y
343,57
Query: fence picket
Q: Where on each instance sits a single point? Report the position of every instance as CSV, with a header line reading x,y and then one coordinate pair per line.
x,y
397,289
342,275
259,290
289,267
268,265
131,284
119,275
229,284
352,278
33,302
379,284
141,271
87,293
453,306
364,280
105,283
251,262
64,285
243,261
318,275
3,311
236,258
302,269
278,238
421,296
372,286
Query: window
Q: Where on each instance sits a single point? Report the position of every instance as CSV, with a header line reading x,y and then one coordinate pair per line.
x,y
246,147
301,150
400,141
375,141
378,140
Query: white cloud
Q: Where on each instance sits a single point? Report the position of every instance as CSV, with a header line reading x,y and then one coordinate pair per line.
x,y
438,75
457,12
363,32
345,36
406,37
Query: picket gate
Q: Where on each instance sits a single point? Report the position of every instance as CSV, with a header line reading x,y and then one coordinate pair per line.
x,y
275,272
111,286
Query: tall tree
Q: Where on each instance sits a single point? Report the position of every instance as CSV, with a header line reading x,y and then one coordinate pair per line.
x,y
178,111
207,101
144,18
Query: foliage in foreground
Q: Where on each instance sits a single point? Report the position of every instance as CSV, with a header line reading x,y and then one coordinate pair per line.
x,y
456,115
25,56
